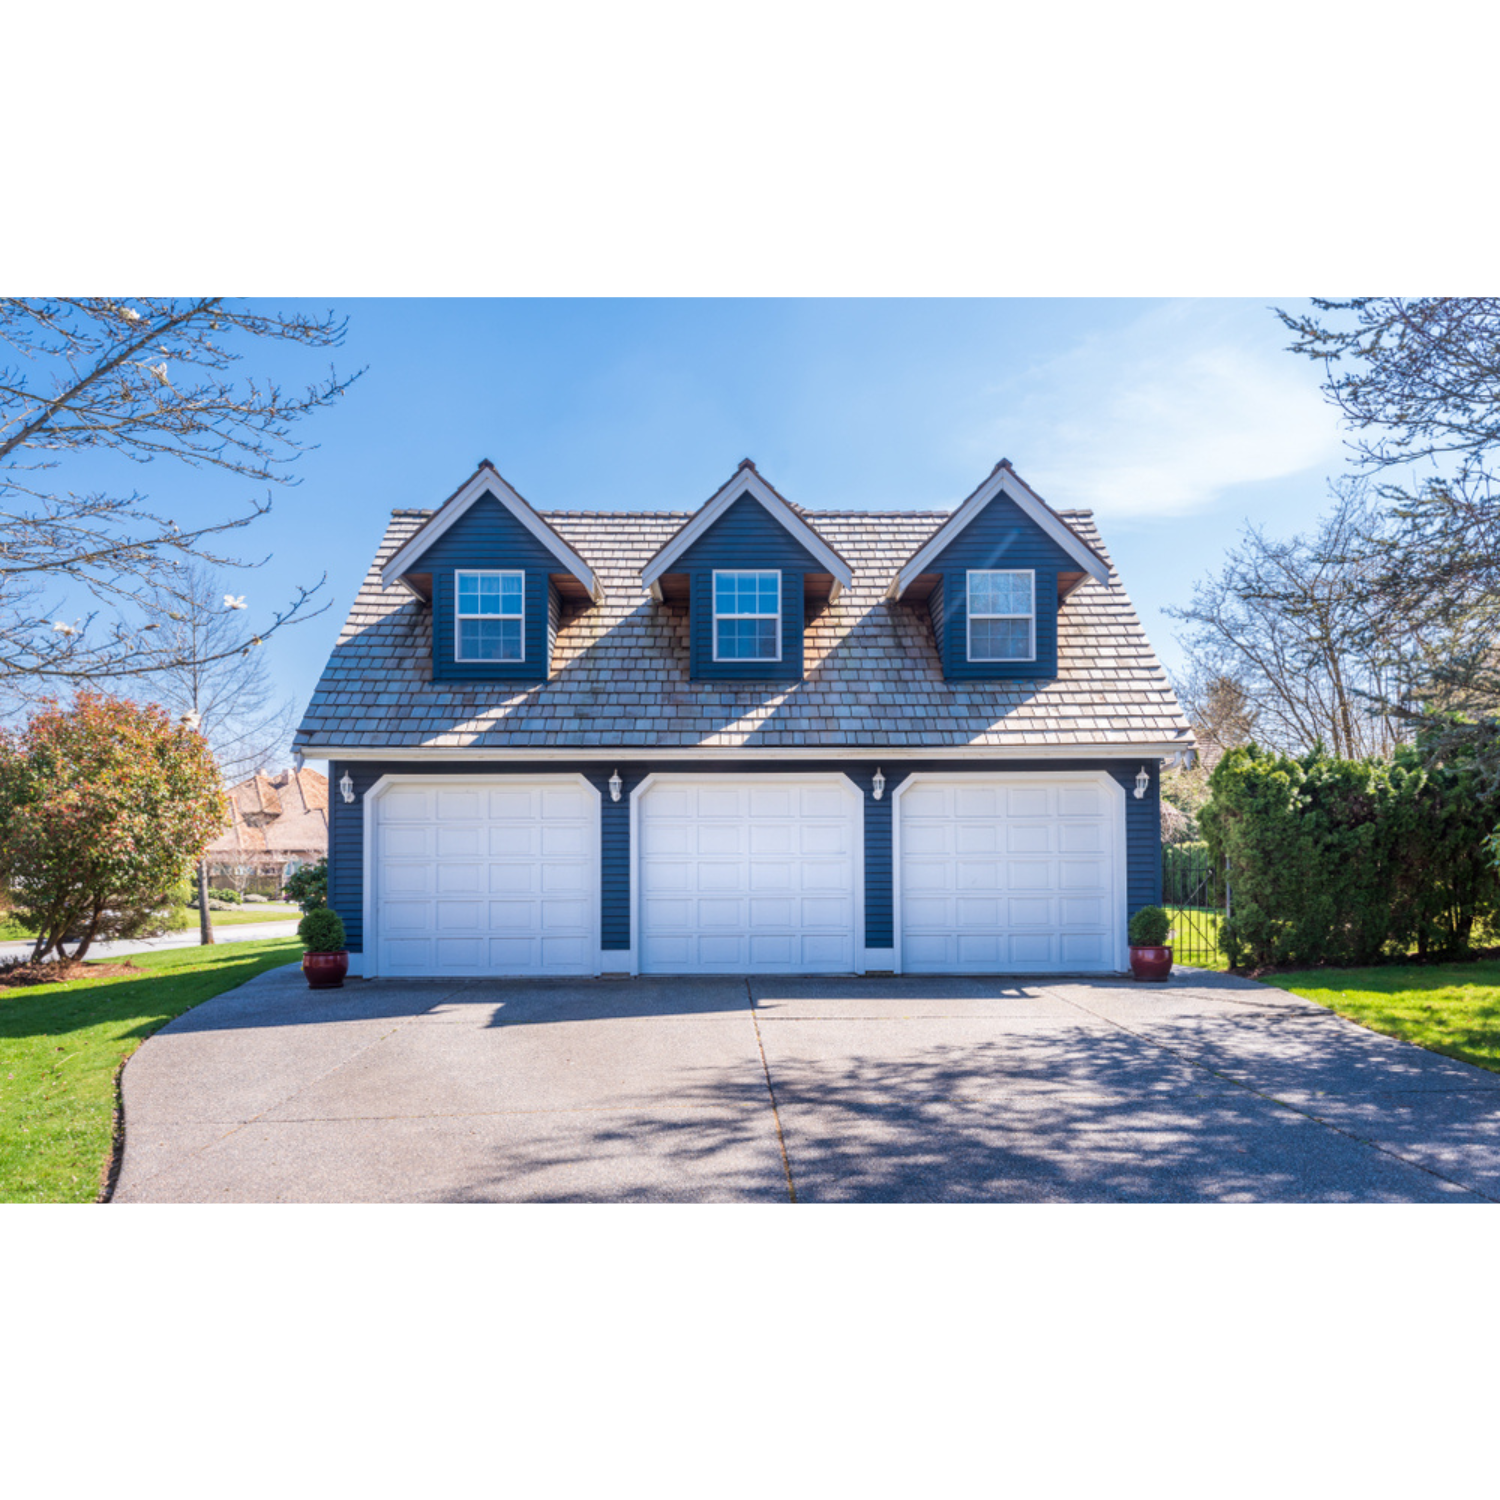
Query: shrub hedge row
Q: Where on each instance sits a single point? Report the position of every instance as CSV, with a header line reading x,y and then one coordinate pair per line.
x,y
1346,861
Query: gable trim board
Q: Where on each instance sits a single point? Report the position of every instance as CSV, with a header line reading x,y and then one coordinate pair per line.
x,y
745,481
486,481
1002,480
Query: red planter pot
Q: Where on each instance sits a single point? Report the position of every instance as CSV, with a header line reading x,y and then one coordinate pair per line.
x,y
1151,963
325,971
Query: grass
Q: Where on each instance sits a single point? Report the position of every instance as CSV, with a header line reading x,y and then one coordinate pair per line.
x,y
1204,925
1449,1008
11,930
61,1044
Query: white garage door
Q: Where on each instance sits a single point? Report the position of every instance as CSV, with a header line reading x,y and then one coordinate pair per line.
x,y
474,878
1010,875
748,877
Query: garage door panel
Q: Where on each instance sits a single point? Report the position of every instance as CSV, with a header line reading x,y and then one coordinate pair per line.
x,y
509,874
460,807
1048,904
773,868
456,843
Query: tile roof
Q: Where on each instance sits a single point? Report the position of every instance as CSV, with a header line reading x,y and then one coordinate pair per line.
x,y
620,669
276,815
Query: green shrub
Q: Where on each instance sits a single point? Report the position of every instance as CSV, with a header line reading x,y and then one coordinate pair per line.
x,y
1346,861
1149,928
322,931
232,896
308,887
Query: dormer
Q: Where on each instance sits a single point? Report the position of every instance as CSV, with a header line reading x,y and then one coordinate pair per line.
x,y
994,576
750,570
498,578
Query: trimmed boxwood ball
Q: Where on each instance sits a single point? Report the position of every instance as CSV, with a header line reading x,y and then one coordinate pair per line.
x,y
322,931
1149,928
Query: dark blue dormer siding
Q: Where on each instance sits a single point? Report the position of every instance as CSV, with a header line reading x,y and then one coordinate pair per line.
x,y
1001,537
488,536
746,537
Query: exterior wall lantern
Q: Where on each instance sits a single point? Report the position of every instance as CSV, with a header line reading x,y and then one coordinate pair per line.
x,y
346,786
615,786
1142,781
877,784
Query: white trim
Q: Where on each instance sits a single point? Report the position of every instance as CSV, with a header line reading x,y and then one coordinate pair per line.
x,y
879,958
372,796
487,481
459,616
969,614
747,482
1120,750
1007,482
741,779
715,616
1121,865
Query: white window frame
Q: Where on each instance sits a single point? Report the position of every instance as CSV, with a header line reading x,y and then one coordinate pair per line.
x,y
716,616
970,617
459,617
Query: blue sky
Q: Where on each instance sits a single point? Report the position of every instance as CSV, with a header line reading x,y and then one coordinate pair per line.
x,y
1176,421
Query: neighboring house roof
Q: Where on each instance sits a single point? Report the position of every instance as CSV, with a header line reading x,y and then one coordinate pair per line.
x,y
619,681
746,480
486,480
276,817
1004,479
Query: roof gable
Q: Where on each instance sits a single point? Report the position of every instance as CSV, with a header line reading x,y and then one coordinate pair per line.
x,y
1002,480
746,481
486,480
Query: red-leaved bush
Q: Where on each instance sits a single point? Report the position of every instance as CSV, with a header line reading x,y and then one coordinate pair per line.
x,y
104,809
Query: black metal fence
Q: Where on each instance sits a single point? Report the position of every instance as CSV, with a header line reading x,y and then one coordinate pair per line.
x,y
1196,897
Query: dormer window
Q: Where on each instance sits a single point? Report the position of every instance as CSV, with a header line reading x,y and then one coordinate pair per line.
x,y
489,616
1002,614
747,616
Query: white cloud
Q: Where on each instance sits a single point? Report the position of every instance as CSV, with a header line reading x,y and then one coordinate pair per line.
x,y
1165,415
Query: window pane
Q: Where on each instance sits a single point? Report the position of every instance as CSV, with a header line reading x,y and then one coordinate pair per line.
x,y
1000,593
746,640
746,593
489,594
489,640
1000,640
510,595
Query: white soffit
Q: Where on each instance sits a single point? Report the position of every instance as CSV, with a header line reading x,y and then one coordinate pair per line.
x,y
1003,480
487,481
746,482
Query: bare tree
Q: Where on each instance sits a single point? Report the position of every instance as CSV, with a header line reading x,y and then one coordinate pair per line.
x,y
220,687
138,379
1314,651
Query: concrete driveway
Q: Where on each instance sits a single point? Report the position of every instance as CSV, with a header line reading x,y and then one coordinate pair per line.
x,y
1208,1089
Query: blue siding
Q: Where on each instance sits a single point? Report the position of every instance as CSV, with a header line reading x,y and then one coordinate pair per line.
x,y
488,536
1002,537
346,825
745,536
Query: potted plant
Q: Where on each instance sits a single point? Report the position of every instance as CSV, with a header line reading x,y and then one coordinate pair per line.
x,y
1150,958
327,960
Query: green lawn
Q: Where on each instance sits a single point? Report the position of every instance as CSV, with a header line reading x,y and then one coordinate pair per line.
x,y
1203,925
60,1046
1449,1008
11,930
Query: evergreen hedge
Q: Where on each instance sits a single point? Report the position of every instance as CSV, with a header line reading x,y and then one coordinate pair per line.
x,y
1347,861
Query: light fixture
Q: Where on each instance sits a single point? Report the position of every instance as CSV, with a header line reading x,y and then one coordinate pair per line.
x,y
1142,781
615,786
877,784
346,786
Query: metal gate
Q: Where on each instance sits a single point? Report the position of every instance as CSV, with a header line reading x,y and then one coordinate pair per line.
x,y
1196,896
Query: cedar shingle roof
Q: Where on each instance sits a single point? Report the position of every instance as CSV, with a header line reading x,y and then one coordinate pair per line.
x,y
620,669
